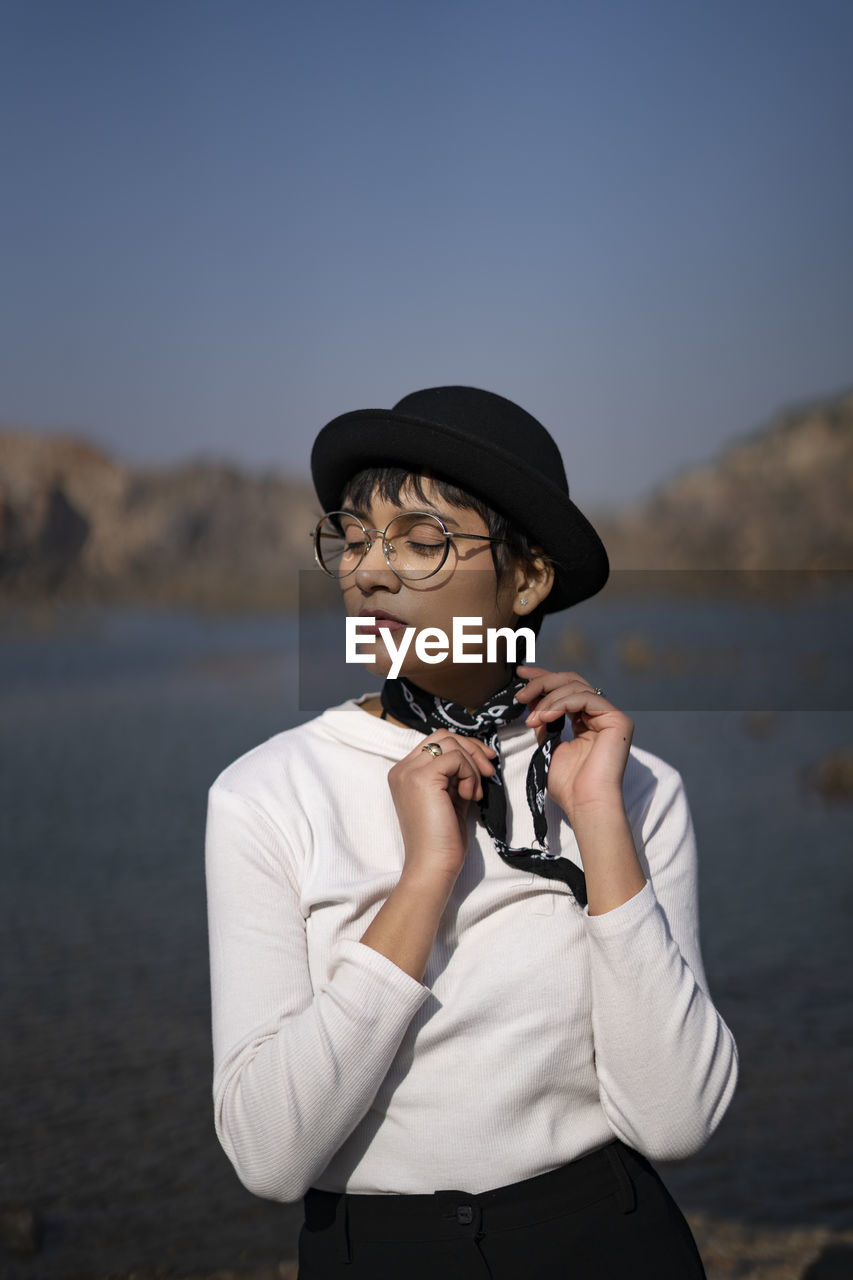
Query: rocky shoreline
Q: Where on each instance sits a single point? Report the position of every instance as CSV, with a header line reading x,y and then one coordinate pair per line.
x,y
744,1251
730,1250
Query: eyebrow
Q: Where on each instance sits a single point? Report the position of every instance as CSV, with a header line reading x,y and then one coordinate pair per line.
x,y
364,516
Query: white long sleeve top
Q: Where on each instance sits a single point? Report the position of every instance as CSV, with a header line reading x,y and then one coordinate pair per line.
x,y
539,1032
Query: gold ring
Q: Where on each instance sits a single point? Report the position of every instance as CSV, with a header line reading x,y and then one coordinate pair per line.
x,y
433,748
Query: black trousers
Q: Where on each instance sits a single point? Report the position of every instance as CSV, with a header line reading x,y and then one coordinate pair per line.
x,y
607,1216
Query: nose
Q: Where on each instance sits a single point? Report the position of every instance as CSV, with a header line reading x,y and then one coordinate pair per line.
x,y
374,567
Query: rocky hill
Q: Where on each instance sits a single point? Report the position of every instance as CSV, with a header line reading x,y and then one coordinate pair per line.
x,y
75,523
779,498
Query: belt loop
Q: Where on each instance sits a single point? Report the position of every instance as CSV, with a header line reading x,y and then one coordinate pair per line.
x,y
342,1229
626,1198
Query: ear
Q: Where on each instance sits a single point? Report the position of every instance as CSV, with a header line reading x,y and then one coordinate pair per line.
x,y
533,582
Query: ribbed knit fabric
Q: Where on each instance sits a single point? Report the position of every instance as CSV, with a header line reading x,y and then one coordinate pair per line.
x,y
539,1031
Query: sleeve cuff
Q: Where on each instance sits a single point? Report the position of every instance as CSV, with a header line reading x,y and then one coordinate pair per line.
x,y
368,979
625,918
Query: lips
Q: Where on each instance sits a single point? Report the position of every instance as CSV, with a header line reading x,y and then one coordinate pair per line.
x,y
381,618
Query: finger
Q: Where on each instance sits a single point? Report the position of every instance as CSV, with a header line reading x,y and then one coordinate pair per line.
x,y
470,787
538,672
473,744
440,735
474,748
477,750
468,783
534,677
551,695
543,681
455,763
574,703
461,786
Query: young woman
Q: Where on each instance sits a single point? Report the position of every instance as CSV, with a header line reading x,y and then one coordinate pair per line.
x,y
458,995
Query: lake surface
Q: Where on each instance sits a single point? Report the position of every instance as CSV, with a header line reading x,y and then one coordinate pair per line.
x,y
113,723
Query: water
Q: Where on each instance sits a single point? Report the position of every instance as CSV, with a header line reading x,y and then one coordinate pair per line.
x,y
113,725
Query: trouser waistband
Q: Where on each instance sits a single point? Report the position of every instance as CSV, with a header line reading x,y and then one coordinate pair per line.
x,y
448,1213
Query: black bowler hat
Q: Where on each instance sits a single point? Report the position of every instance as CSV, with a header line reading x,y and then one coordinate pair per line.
x,y
486,445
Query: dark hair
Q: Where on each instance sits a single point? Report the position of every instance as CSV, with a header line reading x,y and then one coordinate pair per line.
x,y
515,547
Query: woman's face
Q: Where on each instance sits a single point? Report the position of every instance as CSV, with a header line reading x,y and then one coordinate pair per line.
x,y
466,586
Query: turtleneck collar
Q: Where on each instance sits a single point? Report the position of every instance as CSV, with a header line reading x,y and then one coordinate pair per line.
x,y
352,724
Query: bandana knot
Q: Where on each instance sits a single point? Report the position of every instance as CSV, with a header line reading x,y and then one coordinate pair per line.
x,y
418,709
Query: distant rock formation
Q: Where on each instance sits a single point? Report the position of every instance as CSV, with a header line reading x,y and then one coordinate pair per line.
x,y
780,498
74,523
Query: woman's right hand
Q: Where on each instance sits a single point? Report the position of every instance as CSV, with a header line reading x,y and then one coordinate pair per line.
x,y
432,795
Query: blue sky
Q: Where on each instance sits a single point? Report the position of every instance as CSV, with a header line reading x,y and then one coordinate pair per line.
x,y
224,223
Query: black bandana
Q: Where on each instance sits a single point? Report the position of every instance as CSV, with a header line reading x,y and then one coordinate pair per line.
x,y
418,709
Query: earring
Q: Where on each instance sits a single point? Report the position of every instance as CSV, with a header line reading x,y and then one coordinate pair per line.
x,y
524,599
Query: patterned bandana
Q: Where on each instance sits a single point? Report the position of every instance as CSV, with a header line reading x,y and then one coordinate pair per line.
x,y
414,707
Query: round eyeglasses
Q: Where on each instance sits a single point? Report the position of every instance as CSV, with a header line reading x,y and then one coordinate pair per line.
x,y
415,544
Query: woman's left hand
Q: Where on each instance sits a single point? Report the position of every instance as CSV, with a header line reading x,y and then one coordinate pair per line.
x,y
589,769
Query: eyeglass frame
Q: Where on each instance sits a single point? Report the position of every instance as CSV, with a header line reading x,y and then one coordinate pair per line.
x,y
368,543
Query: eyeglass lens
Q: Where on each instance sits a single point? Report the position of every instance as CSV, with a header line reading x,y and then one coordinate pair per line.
x,y
415,544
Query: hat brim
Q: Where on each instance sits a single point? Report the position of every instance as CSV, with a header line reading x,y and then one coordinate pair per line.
x,y
385,437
